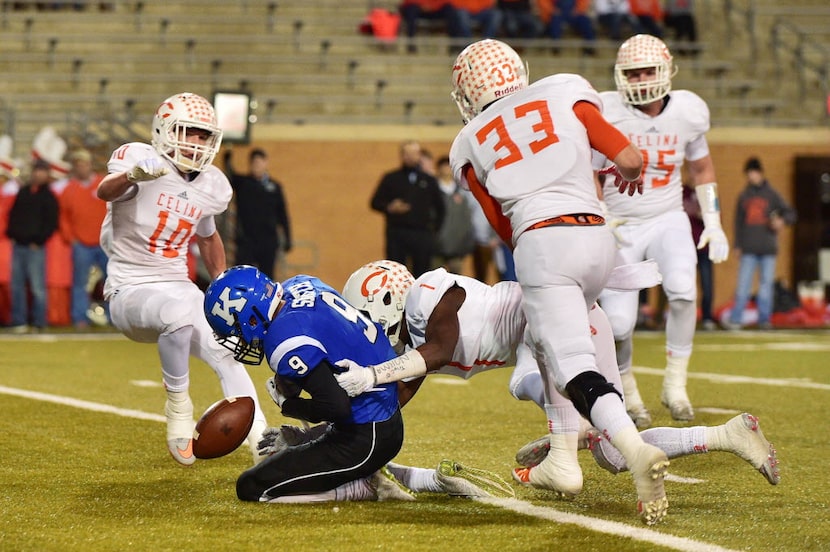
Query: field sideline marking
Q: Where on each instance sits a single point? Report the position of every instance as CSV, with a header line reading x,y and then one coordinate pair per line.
x,y
521,507
726,378
86,405
604,526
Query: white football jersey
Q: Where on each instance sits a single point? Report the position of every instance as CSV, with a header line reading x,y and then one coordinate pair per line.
x,y
491,321
531,152
676,134
147,231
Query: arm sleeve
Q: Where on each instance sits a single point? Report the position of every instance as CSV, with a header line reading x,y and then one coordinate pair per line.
x,y
282,218
380,198
492,209
328,402
603,136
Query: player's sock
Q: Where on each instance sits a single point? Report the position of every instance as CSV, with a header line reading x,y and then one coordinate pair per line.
x,y
677,441
420,480
531,388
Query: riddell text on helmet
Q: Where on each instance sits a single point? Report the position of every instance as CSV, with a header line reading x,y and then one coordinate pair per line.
x,y
508,90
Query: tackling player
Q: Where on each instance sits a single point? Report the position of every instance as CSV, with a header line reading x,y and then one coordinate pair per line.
x,y
160,197
456,325
669,127
303,327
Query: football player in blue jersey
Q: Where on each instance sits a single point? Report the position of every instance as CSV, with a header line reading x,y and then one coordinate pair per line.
x,y
303,327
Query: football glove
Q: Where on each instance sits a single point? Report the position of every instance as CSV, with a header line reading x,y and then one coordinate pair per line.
x,y
621,183
715,238
614,225
273,390
272,442
147,169
356,379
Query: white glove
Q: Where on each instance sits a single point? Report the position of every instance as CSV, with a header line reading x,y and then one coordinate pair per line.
x,y
621,183
356,379
147,169
714,237
613,225
271,386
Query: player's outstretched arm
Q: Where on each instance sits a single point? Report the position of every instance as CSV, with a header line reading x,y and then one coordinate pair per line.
x,y
702,173
441,336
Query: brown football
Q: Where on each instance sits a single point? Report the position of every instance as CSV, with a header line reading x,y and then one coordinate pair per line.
x,y
223,427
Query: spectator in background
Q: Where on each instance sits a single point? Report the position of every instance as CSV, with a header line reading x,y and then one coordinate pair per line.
x,y
679,16
704,263
455,238
649,15
81,217
431,10
575,13
9,187
51,148
518,19
613,15
32,220
759,215
483,14
413,206
262,224
486,242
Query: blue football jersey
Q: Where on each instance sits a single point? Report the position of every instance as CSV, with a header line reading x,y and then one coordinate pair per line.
x,y
317,324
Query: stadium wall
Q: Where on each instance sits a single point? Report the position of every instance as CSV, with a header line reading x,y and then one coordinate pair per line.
x,y
330,173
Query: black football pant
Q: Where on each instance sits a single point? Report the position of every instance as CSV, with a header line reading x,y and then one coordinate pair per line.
x,y
342,454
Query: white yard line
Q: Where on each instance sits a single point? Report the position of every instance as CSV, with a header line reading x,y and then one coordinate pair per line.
x,y
729,378
604,526
526,508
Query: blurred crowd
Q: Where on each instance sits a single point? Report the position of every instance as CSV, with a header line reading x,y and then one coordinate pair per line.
x,y
530,19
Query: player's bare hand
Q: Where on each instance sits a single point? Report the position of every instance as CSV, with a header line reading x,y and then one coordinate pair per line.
x,y
398,207
623,185
147,169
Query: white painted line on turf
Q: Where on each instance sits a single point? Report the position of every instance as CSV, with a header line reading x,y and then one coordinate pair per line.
x,y
806,346
604,526
714,410
78,403
687,480
727,378
145,383
526,508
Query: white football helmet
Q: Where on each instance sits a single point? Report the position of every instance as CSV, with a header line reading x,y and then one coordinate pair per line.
x,y
379,290
484,72
639,52
171,122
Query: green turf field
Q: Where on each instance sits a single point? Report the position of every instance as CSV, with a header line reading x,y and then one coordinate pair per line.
x,y
76,478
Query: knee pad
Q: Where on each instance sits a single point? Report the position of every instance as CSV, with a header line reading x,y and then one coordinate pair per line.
x,y
680,285
586,388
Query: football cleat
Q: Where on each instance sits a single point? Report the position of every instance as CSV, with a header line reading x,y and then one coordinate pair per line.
x,y
640,415
744,435
534,452
458,480
649,467
677,401
605,454
559,471
180,427
387,487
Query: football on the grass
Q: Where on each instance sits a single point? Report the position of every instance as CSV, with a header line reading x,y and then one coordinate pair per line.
x,y
223,427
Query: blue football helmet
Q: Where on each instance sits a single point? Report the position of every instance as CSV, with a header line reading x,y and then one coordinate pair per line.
x,y
239,306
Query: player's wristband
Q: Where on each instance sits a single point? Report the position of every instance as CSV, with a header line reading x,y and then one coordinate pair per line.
x,y
707,198
409,365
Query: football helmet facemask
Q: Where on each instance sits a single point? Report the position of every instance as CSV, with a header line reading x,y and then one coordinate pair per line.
x,y
239,306
176,118
379,290
484,72
642,52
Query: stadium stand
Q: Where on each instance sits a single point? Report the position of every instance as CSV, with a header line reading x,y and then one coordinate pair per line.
x,y
97,74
